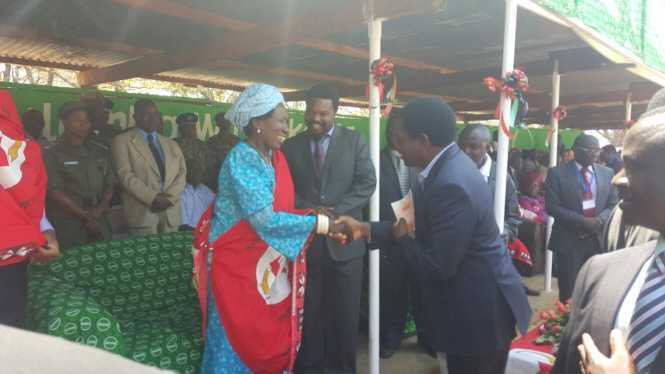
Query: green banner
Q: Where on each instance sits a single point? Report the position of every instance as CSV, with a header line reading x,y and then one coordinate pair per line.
x,y
48,99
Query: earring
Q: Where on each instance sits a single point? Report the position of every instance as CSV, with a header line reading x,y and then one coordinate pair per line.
x,y
258,131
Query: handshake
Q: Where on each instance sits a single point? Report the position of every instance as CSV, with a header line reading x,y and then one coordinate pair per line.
x,y
345,229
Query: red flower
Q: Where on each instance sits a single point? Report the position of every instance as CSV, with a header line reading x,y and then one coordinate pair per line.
x,y
544,315
556,329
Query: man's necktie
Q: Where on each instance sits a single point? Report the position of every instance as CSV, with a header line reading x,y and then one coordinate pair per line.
x,y
152,142
647,326
319,156
587,192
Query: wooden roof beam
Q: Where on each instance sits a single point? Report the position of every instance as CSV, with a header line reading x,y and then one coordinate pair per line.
x,y
205,17
240,44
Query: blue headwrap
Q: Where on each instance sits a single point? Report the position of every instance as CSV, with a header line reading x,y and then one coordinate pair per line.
x,y
257,100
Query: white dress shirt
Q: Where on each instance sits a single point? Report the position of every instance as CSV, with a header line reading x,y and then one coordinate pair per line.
x,y
44,224
425,173
486,169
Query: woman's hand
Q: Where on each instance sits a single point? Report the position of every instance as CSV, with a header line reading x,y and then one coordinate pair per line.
x,y
592,361
528,215
50,251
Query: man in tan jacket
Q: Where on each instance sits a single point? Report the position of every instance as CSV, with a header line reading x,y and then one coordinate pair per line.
x,y
151,169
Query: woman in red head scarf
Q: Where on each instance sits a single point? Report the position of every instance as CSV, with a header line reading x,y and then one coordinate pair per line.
x,y
22,193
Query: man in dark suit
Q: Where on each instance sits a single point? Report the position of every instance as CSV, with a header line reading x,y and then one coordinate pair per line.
x,y
398,286
332,171
473,294
625,290
580,197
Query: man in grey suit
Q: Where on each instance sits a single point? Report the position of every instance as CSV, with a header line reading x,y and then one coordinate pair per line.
x,y
618,234
331,171
580,196
625,290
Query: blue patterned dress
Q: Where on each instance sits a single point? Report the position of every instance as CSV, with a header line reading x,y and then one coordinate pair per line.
x,y
246,184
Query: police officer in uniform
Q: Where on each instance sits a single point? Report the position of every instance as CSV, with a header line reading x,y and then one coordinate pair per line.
x,y
99,109
80,181
194,150
219,146
196,197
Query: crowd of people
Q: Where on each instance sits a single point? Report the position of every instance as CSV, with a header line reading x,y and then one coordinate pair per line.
x,y
279,228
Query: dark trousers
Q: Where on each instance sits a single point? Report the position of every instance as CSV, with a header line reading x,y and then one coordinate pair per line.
x,y
398,289
491,363
13,294
332,306
569,264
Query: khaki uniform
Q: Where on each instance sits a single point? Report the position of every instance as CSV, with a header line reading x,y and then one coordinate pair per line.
x,y
82,173
218,147
104,136
196,157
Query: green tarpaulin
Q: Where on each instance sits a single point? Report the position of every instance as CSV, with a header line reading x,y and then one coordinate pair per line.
x,y
635,25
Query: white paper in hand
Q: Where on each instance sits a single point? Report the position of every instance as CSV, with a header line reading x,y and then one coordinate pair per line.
x,y
405,208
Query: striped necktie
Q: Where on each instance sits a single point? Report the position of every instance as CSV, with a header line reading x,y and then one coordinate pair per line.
x,y
647,326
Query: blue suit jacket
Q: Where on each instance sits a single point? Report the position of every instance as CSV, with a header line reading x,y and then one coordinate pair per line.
x,y
472,293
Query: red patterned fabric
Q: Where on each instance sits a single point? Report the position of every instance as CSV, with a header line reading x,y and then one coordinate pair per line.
x,y
265,336
22,187
519,252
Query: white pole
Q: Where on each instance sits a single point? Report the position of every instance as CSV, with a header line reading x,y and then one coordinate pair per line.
x,y
375,152
510,28
554,148
629,106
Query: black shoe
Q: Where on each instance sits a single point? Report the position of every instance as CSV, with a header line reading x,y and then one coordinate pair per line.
x,y
531,292
386,352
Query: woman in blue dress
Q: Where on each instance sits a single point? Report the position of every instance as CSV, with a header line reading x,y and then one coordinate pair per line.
x,y
251,247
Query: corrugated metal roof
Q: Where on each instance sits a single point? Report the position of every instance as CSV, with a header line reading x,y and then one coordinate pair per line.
x,y
465,37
